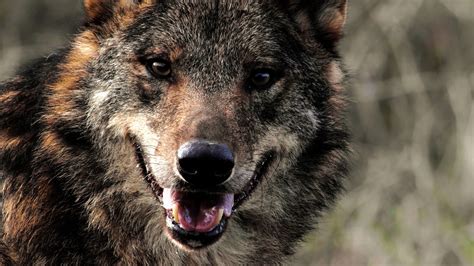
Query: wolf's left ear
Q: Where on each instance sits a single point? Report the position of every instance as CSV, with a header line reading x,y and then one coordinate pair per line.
x,y
323,19
98,11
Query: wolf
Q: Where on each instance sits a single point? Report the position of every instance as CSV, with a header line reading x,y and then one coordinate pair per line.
x,y
176,132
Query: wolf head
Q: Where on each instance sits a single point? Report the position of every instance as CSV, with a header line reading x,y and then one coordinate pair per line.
x,y
205,120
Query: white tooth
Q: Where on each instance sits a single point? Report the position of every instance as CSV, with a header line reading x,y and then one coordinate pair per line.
x,y
176,213
168,201
169,222
220,214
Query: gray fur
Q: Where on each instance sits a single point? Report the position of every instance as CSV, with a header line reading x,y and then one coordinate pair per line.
x,y
119,219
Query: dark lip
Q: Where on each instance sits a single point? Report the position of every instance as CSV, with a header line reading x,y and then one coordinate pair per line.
x,y
200,240
260,171
149,177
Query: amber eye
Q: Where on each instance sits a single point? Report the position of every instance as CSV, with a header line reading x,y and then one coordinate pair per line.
x,y
261,79
159,68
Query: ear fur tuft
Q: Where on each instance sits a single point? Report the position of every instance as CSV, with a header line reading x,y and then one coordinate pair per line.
x,y
98,11
323,19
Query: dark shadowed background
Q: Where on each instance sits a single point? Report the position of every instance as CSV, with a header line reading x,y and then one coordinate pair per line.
x,y
410,198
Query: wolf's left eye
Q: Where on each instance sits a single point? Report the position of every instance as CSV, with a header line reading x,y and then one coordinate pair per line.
x,y
261,79
159,68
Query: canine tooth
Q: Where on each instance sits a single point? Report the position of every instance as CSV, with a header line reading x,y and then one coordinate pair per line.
x,y
176,213
220,214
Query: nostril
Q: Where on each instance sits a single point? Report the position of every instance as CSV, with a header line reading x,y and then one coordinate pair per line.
x,y
188,167
202,163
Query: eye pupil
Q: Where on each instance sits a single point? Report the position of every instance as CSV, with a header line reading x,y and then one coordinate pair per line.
x,y
261,79
160,68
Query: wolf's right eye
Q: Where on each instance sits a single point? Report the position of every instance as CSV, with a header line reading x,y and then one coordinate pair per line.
x,y
159,68
262,79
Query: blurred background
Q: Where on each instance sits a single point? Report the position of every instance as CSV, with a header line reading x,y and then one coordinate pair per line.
x,y
410,197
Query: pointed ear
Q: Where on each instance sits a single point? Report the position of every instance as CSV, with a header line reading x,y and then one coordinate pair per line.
x,y
323,19
98,11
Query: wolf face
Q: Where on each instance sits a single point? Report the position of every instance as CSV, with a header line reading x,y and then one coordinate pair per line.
x,y
175,124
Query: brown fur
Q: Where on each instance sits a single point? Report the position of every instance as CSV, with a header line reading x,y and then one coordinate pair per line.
x,y
70,125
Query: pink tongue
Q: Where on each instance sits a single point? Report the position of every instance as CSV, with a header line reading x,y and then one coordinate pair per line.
x,y
197,212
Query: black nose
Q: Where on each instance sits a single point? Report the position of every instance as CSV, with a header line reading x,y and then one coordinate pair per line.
x,y
205,164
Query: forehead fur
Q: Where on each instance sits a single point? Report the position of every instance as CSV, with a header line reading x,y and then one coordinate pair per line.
x,y
244,30
244,5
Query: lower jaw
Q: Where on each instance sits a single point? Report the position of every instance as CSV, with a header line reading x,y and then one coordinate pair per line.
x,y
194,240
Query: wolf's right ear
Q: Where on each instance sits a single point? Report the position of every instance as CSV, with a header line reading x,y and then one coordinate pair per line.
x,y
323,19
98,11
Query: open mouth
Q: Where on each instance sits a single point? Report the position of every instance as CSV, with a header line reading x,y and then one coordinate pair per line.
x,y
197,220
